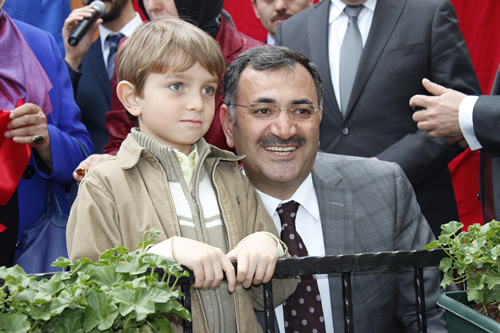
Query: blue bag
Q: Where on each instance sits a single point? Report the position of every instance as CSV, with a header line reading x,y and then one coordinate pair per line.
x,y
45,240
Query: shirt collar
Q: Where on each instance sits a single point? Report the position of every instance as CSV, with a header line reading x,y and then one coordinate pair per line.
x,y
337,7
127,29
305,195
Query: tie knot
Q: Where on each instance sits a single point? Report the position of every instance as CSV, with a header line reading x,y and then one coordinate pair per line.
x,y
113,39
287,212
352,11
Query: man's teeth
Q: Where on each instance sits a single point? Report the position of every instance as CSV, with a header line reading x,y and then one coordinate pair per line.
x,y
281,150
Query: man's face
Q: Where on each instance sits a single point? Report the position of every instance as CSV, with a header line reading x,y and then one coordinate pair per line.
x,y
113,8
280,151
272,12
160,8
354,2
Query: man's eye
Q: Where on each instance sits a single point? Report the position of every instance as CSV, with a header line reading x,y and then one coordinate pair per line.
x,y
176,86
262,111
209,90
302,111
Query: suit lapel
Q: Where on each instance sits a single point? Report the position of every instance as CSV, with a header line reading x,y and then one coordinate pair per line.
x,y
318,39
96,62
386,15
336,208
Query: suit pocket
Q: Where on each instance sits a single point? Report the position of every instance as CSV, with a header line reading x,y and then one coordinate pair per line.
x,y
401,52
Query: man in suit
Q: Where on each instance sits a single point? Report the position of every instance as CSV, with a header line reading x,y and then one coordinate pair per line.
x,y
347,204
471,121
403,41
272,12
89,63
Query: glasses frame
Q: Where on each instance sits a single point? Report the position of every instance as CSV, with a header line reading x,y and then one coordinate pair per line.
x,y
278,108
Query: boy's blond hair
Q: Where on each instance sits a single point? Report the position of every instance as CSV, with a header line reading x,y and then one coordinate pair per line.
x,y
166,45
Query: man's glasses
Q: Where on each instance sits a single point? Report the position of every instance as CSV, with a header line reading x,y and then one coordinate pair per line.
x,y
267,111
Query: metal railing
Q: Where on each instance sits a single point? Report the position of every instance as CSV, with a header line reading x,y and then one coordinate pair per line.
x,y
345,265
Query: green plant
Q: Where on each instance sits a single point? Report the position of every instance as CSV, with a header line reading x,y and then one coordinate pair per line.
x,y
474,254
121,292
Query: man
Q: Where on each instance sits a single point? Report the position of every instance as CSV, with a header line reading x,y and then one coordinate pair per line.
x,y
347,204
471,121
399,42
90,64
272,12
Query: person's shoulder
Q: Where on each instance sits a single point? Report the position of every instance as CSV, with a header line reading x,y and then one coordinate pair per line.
x,y
353,165
30,31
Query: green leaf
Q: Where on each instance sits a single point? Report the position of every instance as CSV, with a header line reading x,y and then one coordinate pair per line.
x,y
446,264
135,267
451,228
138,301
14,323
61,262
107,276
431,245
100,313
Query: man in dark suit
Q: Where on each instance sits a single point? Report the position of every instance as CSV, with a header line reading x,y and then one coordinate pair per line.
x,y
403,41
347,204
471,121
88,62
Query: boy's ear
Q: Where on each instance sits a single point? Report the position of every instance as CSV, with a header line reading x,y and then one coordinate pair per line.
x,y
227,124
127,95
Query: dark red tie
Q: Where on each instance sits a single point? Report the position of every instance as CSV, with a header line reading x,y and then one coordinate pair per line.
x,y
489,206
302,310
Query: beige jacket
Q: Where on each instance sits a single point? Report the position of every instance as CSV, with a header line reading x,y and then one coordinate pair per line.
x,y
128,194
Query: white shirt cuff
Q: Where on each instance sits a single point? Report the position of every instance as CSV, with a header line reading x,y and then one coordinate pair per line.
x,y
164,249
465,120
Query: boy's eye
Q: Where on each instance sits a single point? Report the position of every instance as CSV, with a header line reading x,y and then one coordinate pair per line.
x,y
209,90
176,86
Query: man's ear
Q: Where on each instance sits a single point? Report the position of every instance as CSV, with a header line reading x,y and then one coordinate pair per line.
x,y
127,95
254,6
227,124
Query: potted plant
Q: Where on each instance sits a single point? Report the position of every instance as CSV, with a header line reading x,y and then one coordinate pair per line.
x,y
473,259
120,292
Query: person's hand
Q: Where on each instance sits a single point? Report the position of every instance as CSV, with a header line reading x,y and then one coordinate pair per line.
x,y
439,116
86,164
256,257
208,263
75,54
29,125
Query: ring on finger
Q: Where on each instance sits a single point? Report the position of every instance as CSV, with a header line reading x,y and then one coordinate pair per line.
x,y
38,139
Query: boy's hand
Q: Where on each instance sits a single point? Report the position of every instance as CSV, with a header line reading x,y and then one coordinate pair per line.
x,y
207,262
256,257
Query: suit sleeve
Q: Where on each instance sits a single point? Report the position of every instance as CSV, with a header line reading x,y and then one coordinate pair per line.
x,y
449,65
486,117
413,233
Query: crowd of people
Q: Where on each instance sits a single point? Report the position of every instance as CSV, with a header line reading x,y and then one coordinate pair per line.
x,y
334,140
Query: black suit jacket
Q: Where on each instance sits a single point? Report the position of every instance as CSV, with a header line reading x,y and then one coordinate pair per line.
x,y
409,40
92,89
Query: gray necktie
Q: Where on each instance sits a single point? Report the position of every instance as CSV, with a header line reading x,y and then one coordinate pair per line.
x,y
350,52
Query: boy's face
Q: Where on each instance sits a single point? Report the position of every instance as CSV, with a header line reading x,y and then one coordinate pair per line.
x,y
177,108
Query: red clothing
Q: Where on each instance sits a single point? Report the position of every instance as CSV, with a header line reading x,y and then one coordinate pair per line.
x,y
232,43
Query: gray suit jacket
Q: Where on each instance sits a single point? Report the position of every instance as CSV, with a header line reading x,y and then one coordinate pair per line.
x,y
486,118
369,206
409,40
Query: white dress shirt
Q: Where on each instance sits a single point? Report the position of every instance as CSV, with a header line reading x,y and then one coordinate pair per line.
x,y
337,26
465,120
126,30
308,225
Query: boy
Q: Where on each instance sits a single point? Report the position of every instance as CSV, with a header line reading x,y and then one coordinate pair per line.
x,y
167,177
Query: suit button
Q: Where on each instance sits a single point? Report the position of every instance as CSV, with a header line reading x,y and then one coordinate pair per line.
x,y
29,172
345,131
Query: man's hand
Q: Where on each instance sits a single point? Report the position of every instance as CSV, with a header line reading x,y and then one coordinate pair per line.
x,y
86,164
256,257
440,115
75,54
208,263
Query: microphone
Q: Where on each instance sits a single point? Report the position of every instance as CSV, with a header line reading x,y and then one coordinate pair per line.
x,y
84,26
